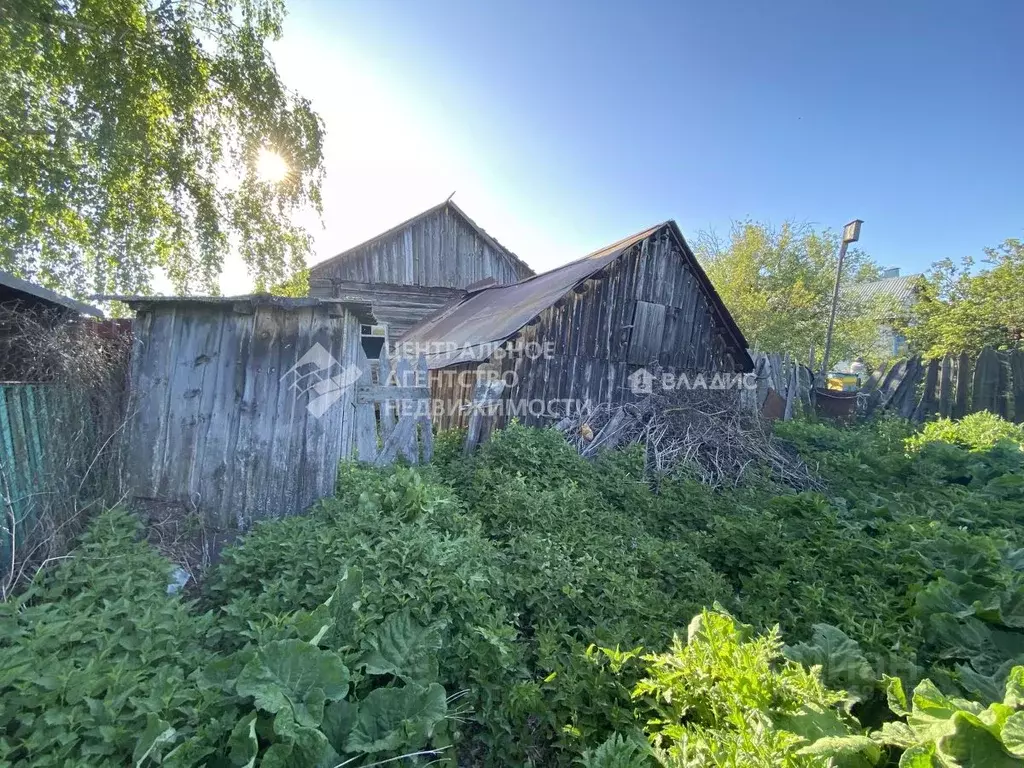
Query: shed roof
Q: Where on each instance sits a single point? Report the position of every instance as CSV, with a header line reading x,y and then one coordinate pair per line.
x,y
46,295
419,217
900,288
361,309
470,331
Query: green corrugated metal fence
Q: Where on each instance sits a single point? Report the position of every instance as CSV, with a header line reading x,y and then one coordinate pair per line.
x,y
24,437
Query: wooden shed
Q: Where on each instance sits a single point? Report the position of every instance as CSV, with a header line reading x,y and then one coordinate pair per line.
x,y
416,268
241,407
580,331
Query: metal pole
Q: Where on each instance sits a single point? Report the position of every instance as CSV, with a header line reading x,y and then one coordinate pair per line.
x,y
832,315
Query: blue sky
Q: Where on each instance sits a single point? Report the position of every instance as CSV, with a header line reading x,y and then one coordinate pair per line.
x,y
563,126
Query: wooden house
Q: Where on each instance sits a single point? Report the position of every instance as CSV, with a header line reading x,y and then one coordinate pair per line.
x,y
580,331
415,269
241,407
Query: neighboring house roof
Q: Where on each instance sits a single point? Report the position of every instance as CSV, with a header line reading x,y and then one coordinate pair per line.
x,y
899,288
420,216
488,317
17,285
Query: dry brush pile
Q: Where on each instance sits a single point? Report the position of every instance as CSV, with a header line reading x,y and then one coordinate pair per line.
x,y
709,433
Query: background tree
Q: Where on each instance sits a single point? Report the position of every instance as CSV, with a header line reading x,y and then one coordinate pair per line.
x,y
778,285
137,134
957,311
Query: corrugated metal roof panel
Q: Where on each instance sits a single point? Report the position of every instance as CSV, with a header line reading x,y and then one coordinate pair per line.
x,y
899,288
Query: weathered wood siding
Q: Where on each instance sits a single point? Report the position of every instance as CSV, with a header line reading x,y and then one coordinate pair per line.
x,y
216,423
646,309
439,250
398,306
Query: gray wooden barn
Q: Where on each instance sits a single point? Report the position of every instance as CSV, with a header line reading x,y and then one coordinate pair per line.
x,y
415,269
580,331
242,407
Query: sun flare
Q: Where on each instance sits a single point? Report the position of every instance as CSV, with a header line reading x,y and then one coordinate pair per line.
x,y
270,166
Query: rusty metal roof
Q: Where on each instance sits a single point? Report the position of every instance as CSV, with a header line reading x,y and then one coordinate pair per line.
x,y
470,331
449,203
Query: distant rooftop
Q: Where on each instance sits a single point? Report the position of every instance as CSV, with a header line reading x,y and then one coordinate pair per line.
x,y
898,287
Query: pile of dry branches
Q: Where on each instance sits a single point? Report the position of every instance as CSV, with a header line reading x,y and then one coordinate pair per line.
x,y
65,386
709,433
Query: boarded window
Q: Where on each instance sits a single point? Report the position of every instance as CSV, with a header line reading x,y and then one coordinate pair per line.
x,y
647,332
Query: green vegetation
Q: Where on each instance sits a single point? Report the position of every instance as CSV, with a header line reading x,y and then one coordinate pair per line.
x,y
527,607
960,309
132,135
778,284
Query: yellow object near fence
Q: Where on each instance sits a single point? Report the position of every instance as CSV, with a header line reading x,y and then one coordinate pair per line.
x,y
843,382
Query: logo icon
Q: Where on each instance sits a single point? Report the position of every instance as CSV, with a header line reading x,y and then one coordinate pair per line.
x,y
641,382
324,379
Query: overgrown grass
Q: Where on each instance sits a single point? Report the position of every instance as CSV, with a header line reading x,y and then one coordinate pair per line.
x,y
510,571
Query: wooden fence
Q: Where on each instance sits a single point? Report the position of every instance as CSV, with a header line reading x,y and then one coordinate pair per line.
x,y
950,387
25,436
915,388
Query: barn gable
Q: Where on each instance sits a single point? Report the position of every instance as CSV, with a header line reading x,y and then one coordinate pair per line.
x,y
416,269
439,248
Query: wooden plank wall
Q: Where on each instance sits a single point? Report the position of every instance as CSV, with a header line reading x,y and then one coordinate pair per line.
x,y
598,340
440,250
399,307
216,425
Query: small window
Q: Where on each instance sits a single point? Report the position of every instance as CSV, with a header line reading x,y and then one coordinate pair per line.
x,y
374,338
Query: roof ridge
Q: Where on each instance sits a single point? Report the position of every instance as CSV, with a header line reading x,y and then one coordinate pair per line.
x,y
418,217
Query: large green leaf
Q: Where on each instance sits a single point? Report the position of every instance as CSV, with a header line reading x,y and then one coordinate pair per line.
x,y
1015,688
851,751
402,647
339,719
842,662
1013,734
242,744
291,673
969,743
157,732
397,718
918,756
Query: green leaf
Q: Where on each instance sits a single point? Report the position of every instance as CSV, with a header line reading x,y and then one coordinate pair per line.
x,y
339,719
918,756
1013,734
895,696
849,751
242,744
971,744
842,662
402,647
157,732
291,673
393,718
812,722
1015,688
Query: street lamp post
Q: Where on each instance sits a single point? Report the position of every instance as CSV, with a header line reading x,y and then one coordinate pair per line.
x,y
851,234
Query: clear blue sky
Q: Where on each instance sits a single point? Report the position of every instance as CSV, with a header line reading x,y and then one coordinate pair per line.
x,y
564,126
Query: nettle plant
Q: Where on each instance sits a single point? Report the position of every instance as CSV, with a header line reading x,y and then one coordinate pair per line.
x,y
99,665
